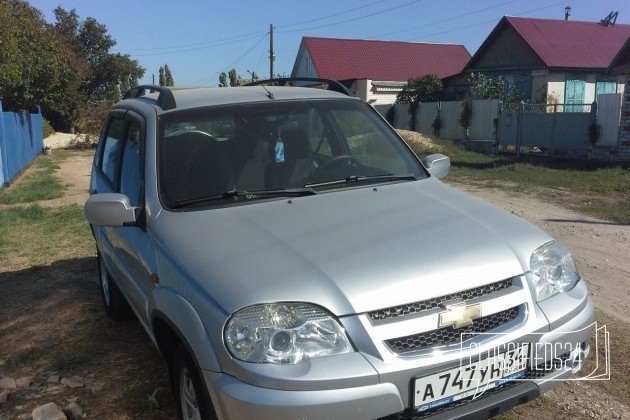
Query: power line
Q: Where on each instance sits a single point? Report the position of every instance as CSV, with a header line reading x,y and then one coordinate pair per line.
x,y
365,6
235,37
198,48
248,51
380,12
434,23
231,65
488,21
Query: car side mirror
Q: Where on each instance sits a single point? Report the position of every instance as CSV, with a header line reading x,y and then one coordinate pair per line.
x,y
110,209
437,164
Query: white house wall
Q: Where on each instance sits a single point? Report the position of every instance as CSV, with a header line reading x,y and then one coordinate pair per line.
x,y
556,86
301,68
370,92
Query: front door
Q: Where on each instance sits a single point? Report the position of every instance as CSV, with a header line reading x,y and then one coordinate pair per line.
x,y
120,169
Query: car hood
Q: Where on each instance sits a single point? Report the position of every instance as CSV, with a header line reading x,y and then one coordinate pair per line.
x,y
351,250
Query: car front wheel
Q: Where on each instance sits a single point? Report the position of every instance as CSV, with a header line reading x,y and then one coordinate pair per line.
x,y
193,400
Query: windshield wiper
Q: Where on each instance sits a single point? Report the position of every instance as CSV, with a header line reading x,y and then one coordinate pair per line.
x,y
363,178
247,195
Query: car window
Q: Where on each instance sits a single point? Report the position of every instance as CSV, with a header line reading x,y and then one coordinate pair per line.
x,y
319,136
112,147
271,146
131,167
367,142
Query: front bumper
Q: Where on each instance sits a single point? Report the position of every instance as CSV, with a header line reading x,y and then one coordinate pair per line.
x,y
234,399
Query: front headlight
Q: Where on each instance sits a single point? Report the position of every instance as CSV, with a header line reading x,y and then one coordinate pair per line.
x,y
284,333
553,270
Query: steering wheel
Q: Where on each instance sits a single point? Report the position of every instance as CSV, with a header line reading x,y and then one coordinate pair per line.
x,y
340,161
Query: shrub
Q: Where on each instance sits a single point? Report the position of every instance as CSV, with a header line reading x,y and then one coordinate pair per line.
x,y
594,131
83,141
390,115
47,128
437,125
93,118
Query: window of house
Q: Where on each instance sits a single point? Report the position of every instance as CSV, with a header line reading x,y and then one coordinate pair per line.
x,y
309,66
523,88
574,95
604,86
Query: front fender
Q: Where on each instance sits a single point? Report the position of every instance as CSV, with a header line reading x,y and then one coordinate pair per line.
x,y
182,317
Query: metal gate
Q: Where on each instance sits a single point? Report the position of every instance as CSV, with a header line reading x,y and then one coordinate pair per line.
x,y
608,118
546,128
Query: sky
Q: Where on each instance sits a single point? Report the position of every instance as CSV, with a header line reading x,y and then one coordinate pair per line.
x,y
199,39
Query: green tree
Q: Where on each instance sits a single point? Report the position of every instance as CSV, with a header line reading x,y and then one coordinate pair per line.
x,y
105,76
168,76
66,68
223,79
484,87
162,77
427,88
422,89
235,78
465,117
35,68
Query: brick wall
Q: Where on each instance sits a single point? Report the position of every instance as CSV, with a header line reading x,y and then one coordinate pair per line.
x,y
623,152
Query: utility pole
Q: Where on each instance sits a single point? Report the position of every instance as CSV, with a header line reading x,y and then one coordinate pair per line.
x,y
272,56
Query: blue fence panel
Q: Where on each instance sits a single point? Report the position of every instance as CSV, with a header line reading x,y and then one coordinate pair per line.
x,y
21,140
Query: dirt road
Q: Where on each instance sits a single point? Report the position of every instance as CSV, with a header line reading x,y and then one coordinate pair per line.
x,y
121,357
601,249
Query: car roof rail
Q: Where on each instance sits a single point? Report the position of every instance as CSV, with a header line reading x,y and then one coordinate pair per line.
x,y
329,84
165,99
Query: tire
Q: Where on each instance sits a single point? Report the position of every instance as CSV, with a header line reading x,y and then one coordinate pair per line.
x,y
191,395
115,304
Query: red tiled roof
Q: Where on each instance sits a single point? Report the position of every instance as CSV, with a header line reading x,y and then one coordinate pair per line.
x,y
344,59
571,44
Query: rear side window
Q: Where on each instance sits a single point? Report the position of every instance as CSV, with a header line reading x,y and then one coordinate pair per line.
x,y
112,148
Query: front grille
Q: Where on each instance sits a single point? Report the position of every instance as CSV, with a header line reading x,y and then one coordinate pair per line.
x,y
451,335
425,305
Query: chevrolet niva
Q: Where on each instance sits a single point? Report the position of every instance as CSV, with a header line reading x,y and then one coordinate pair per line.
x,y
291,258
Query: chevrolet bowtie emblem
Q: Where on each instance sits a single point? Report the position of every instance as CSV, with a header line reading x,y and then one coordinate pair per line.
x,y
458,313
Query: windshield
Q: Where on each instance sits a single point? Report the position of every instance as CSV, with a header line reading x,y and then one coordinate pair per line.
x,y
214,152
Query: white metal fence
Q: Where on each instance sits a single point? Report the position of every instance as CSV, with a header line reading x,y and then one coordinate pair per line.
x,y
553,128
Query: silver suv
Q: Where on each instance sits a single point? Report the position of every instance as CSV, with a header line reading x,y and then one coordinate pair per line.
x,y
291,258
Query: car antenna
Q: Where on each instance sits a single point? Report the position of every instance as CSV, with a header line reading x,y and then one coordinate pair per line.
x,y
269,94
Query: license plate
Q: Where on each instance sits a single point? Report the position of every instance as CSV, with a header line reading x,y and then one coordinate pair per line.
x,y
470,379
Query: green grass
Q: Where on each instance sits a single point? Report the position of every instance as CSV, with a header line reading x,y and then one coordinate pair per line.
x,y
32,235
598,189
39,183
39,236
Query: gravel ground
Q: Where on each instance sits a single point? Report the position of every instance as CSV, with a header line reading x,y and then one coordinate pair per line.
x,y
601,249
59,140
